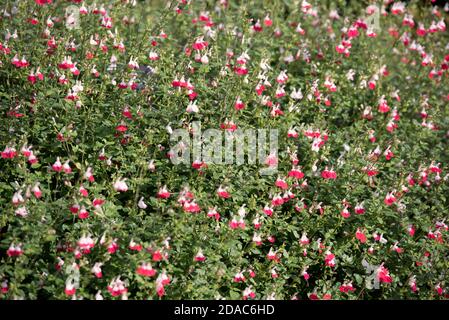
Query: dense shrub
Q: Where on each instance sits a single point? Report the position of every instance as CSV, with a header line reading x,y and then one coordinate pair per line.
x,y
91,205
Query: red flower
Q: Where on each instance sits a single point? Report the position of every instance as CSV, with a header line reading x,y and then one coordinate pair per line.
x,y
121,128
83,213
390,199
200,256
223,193
160,290
157,256
70,290
163,193
113,247
42,2
134,246
383,275
14,250
329,259
296,173
9,153
313,296
146,270
329,174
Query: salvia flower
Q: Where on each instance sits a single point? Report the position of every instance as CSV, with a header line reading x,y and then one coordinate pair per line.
x,y
120,185
146,270
383,275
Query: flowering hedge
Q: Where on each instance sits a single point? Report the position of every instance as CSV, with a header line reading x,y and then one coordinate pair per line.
x,y
92,207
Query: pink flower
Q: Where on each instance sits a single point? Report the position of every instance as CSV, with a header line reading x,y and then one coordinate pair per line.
x,y
352,32
57,166
249,293
200,44
70,289
86,243
160,290
146,270
383,106
359,208
305,274
268,210
14,250
383,275
4,287
164,278
257,239
329,174
256,223
271,160
439,289
281,183
304,240
277,201
120,185
157,256
239,105
329,259
398,8
121,127
274,274
23,63
42,2
113,247
292,133
346,287
233,224
83,214
97,203
36,190
88,175
96,270
134,246
212,213
282,77
74,208
345,213
117,287
66,167
390,198
239,277
26,151
228,125
191,206
17,198
223,193
360,236
296,173
267,21
198,164
83,191
272,255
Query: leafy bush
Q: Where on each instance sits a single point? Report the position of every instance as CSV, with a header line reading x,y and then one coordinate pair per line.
x,y
92,206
